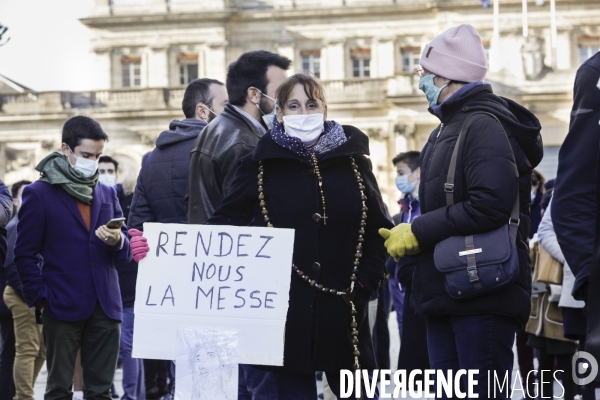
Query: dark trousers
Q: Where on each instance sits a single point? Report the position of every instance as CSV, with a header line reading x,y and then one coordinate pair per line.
x,y
381,333
98,336
413,344
482,342
258,384
563,362
7,357
525,358
157,376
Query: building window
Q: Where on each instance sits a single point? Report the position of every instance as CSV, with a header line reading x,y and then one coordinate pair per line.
x,y
311,61
588,46
131,71
410,58
361,60
187,67
187,73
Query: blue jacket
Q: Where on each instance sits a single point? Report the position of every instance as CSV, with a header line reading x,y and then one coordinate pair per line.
x,y
12,277
162,184
575,204
79,269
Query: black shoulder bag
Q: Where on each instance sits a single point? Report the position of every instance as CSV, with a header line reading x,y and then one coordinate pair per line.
x,y
477,264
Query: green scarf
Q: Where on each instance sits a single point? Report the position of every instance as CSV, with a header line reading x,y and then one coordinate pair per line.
x,y
56,170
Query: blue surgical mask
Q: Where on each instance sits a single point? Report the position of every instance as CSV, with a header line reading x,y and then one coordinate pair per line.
x,y
404,185
431,91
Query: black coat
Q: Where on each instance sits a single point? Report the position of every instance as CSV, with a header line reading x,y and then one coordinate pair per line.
x,y
162,183
575,204
317,335
485,186
214,157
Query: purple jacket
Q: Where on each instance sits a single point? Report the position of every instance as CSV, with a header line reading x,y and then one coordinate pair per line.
x,y
79,269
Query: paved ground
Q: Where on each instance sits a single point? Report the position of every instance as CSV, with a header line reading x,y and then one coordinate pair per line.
x,y
394,349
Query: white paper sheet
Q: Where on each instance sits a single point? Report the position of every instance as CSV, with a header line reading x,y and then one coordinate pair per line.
x,y
199,276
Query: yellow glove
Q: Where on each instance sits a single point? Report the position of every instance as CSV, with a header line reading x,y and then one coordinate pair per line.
x,y
400,241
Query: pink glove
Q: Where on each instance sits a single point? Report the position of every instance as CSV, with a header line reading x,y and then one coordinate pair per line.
x,y
139,244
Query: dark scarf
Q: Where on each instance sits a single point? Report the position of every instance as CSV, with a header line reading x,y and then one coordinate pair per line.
x,y
56,170
333,136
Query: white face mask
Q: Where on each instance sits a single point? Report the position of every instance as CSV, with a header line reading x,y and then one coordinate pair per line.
x,y
107,179
268,118
305,127
85,166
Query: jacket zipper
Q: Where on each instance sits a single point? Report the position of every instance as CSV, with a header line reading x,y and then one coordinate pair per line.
x,y
433,148
431,154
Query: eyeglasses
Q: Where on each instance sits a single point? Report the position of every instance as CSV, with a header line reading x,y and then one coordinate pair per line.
x,y
421,72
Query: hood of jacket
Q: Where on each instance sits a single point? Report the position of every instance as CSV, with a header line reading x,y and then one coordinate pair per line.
x,y
525,126
179,131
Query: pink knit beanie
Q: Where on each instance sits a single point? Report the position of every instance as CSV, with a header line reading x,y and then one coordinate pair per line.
x,y
456,54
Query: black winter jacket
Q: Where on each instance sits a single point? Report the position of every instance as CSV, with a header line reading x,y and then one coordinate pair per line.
x,y
162,183
214,157
317,334
575,203
485,186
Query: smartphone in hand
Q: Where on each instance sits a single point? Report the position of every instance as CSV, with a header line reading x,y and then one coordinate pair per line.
x,y
115,223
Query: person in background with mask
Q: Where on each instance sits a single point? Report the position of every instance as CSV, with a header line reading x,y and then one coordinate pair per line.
x,y
314,177
108,168
251,83
413,334
133,368
63,219
30,349
495,163
162,182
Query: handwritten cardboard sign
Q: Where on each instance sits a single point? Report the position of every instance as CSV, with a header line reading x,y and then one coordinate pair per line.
x,y
217,277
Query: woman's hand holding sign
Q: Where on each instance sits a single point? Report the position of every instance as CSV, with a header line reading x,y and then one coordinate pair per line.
x,y
139,244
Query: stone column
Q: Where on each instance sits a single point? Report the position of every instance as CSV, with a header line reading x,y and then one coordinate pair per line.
x,y
158,66
202,61
382,58
563,50
288,50
103,74
215,62
2,160
333,61
101,7
159,6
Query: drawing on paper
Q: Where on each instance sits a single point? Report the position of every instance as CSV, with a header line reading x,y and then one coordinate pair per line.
x,y
207,365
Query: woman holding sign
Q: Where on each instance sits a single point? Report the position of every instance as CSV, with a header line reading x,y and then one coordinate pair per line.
x,y
312,175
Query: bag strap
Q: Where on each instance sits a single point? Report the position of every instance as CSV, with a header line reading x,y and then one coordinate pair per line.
x,y
449,185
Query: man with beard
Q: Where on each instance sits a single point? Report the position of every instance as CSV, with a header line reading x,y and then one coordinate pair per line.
x,y
251,83
211,372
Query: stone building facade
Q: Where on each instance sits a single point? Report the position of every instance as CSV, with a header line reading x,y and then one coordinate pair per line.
x,y
364,51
